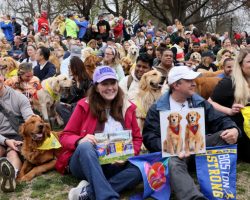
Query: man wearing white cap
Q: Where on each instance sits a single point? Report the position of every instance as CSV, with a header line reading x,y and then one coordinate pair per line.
x,y
220,129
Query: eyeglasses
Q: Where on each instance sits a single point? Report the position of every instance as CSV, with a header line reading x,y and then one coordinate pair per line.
x,y
109,54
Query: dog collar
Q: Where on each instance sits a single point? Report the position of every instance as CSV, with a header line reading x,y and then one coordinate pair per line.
x,y
194,129
176,129
11,73
52,94
50,143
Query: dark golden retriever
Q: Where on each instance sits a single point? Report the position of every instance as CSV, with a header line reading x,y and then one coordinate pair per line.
x,y
206,83
37,160
90,64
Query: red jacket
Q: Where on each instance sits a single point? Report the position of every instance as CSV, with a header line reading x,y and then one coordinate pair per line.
x,y
82,122
43,22
118,30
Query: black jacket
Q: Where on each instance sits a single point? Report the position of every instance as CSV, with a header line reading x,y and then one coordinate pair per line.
x,y
16,28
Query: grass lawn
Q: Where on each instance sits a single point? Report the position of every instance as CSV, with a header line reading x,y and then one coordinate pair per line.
x,y
53,186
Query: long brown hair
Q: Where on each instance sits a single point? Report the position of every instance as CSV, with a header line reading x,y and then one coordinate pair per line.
x,y
78,69
97,105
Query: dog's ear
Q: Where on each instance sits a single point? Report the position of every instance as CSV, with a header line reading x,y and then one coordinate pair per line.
x,y
198,116
169,117
56,86
21,130
180,117
47,130
187,117
143,82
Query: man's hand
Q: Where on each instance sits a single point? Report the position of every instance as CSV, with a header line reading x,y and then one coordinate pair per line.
x,y
13,144
183,155
88,138
230,135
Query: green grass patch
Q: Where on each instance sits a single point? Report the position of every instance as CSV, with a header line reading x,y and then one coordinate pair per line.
x,y
241,190
241,167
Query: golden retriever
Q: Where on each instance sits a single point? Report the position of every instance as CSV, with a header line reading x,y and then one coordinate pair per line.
x,y
37,161
149,91
193,137
206,83
133,53
55,61
57,24
173,142
90,64
126,65
50,94
8,67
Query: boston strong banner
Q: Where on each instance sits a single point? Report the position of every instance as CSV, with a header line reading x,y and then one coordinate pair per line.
x,y
216,172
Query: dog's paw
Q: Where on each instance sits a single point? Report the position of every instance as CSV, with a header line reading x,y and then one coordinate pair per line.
x,y
25,178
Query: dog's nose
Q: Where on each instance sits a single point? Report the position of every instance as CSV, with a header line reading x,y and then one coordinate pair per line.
x,y
40,126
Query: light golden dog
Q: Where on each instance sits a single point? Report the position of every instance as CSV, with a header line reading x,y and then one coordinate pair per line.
x,y
193,137
126,65
8,67
206,83
173,142
133,53
37,161
57,24
149,91
50,94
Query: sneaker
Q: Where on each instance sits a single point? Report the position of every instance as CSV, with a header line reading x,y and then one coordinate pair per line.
x,y
79,192
7,176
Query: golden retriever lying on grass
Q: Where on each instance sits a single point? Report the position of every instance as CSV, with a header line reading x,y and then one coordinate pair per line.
x,y
149,91
39,156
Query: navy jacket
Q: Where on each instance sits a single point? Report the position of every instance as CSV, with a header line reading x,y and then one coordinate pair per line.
x,y
49,70
214,120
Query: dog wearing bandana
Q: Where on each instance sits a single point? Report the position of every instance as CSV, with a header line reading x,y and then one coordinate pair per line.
x,y
173,142
193,137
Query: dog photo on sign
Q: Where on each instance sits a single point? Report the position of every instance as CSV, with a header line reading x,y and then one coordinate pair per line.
x,y
182,131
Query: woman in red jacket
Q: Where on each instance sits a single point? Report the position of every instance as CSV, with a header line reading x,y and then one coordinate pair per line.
x,y
104,110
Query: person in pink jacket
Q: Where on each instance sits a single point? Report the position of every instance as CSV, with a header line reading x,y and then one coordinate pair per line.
x,y
106,110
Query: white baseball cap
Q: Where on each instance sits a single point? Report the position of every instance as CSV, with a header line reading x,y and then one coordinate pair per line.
x,y
181,72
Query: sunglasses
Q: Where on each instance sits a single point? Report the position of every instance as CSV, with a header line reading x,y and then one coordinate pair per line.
x,y
149,49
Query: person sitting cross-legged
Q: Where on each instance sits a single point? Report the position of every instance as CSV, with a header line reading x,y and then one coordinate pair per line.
x,y
104,110
219,128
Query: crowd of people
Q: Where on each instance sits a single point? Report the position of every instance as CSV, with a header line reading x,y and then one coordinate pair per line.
x,y
106,97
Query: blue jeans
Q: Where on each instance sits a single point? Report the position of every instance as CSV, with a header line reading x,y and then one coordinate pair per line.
x,y
106,181
181,182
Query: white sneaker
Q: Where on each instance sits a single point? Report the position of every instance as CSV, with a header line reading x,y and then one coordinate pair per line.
x,y
7,176
79,192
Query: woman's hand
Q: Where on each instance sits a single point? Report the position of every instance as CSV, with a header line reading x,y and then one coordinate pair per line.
x,y
235,109
88,138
